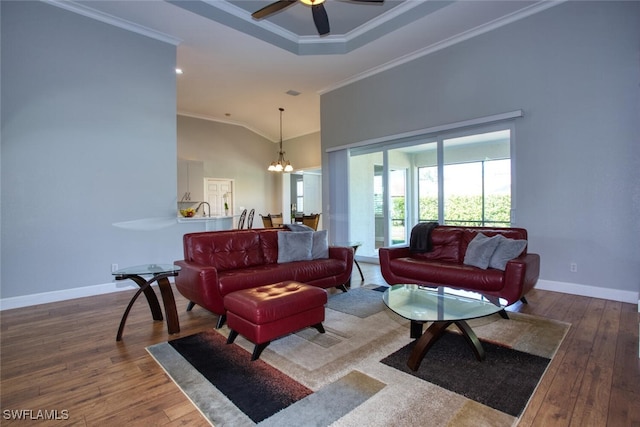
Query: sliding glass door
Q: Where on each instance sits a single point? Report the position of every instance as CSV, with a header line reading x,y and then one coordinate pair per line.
x,y
459,178
398,200
383,201
366,202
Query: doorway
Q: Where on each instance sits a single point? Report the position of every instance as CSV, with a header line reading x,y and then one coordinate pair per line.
x,y
302,193
218,192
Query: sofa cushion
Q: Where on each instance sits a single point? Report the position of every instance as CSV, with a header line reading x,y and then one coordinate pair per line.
x,y
225,251
312,270
269,245
294,246
260,275
302,271
506,250
447,274
445,246
480,250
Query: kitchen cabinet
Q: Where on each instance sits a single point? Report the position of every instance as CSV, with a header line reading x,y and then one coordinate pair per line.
x,y
190,180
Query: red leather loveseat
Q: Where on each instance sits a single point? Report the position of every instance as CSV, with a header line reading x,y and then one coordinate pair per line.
x,y
217,263
445,264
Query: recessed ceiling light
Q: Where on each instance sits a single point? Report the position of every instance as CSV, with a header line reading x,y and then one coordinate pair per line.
x,y
179,71
292,92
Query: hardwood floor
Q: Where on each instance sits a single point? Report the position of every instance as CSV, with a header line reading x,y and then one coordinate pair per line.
x,y
63,357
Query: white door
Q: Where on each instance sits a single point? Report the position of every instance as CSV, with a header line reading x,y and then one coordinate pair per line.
x,y
217,193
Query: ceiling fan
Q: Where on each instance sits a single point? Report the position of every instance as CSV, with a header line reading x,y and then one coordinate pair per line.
x,y
320,17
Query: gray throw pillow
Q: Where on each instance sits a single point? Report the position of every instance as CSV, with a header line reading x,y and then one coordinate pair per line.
x,y
480,250
320,248
294,246
507,250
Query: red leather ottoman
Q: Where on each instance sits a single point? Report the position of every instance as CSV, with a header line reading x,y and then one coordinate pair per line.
x,y
272,311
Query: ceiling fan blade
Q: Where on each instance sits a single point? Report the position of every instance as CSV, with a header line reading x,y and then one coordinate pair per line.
x,y
320,18
272,8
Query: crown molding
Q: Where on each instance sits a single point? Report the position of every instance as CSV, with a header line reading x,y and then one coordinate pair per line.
x,y
399,11
224,121
237,18
241,14
241,124
112,20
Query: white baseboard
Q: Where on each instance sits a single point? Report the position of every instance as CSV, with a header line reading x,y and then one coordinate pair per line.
x,y
106,288
64,294
567,288
589,291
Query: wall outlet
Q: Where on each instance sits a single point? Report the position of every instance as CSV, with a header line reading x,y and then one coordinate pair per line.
x,y
114,268
573,267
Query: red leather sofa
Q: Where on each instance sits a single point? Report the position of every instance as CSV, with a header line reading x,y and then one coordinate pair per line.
x,y
444,264
217,263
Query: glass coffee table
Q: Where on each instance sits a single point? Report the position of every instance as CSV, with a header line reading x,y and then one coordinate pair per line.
x,y
442,306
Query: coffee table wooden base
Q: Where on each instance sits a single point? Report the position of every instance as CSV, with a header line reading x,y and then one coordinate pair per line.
x,y
433,333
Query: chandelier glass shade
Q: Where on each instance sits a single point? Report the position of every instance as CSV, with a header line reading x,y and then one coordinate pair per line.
x,y
280,165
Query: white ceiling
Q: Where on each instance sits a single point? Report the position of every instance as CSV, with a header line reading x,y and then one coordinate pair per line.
x,y
238,70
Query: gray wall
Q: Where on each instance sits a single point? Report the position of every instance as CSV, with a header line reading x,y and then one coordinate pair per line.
x,y
88,140
574,71
304,151
230,151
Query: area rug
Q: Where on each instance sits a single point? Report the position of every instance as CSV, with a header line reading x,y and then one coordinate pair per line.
x,y
361,302
451,364
348,383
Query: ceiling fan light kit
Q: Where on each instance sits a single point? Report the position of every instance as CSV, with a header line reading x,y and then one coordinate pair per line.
x,y
320,17
280,165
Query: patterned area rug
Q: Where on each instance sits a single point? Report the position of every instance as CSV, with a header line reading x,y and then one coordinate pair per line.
x,y
361,302
514,374
343,372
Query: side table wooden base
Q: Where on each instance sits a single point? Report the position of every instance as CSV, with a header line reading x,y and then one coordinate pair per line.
x,y
173,323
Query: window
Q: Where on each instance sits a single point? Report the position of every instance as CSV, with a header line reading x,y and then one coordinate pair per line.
x,y
378,203
427,194
299,195
477,180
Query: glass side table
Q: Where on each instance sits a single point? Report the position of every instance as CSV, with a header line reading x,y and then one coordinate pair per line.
x,y
159,273
354,246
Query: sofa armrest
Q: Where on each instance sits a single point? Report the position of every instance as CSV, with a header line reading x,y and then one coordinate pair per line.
x,y
521,275
199,284
345,255
386,255
392,253
341,253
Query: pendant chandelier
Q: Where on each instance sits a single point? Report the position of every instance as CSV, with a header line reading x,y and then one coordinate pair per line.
x,y
280,165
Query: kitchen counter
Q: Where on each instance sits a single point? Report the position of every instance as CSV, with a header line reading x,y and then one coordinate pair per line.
x,y
211,223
